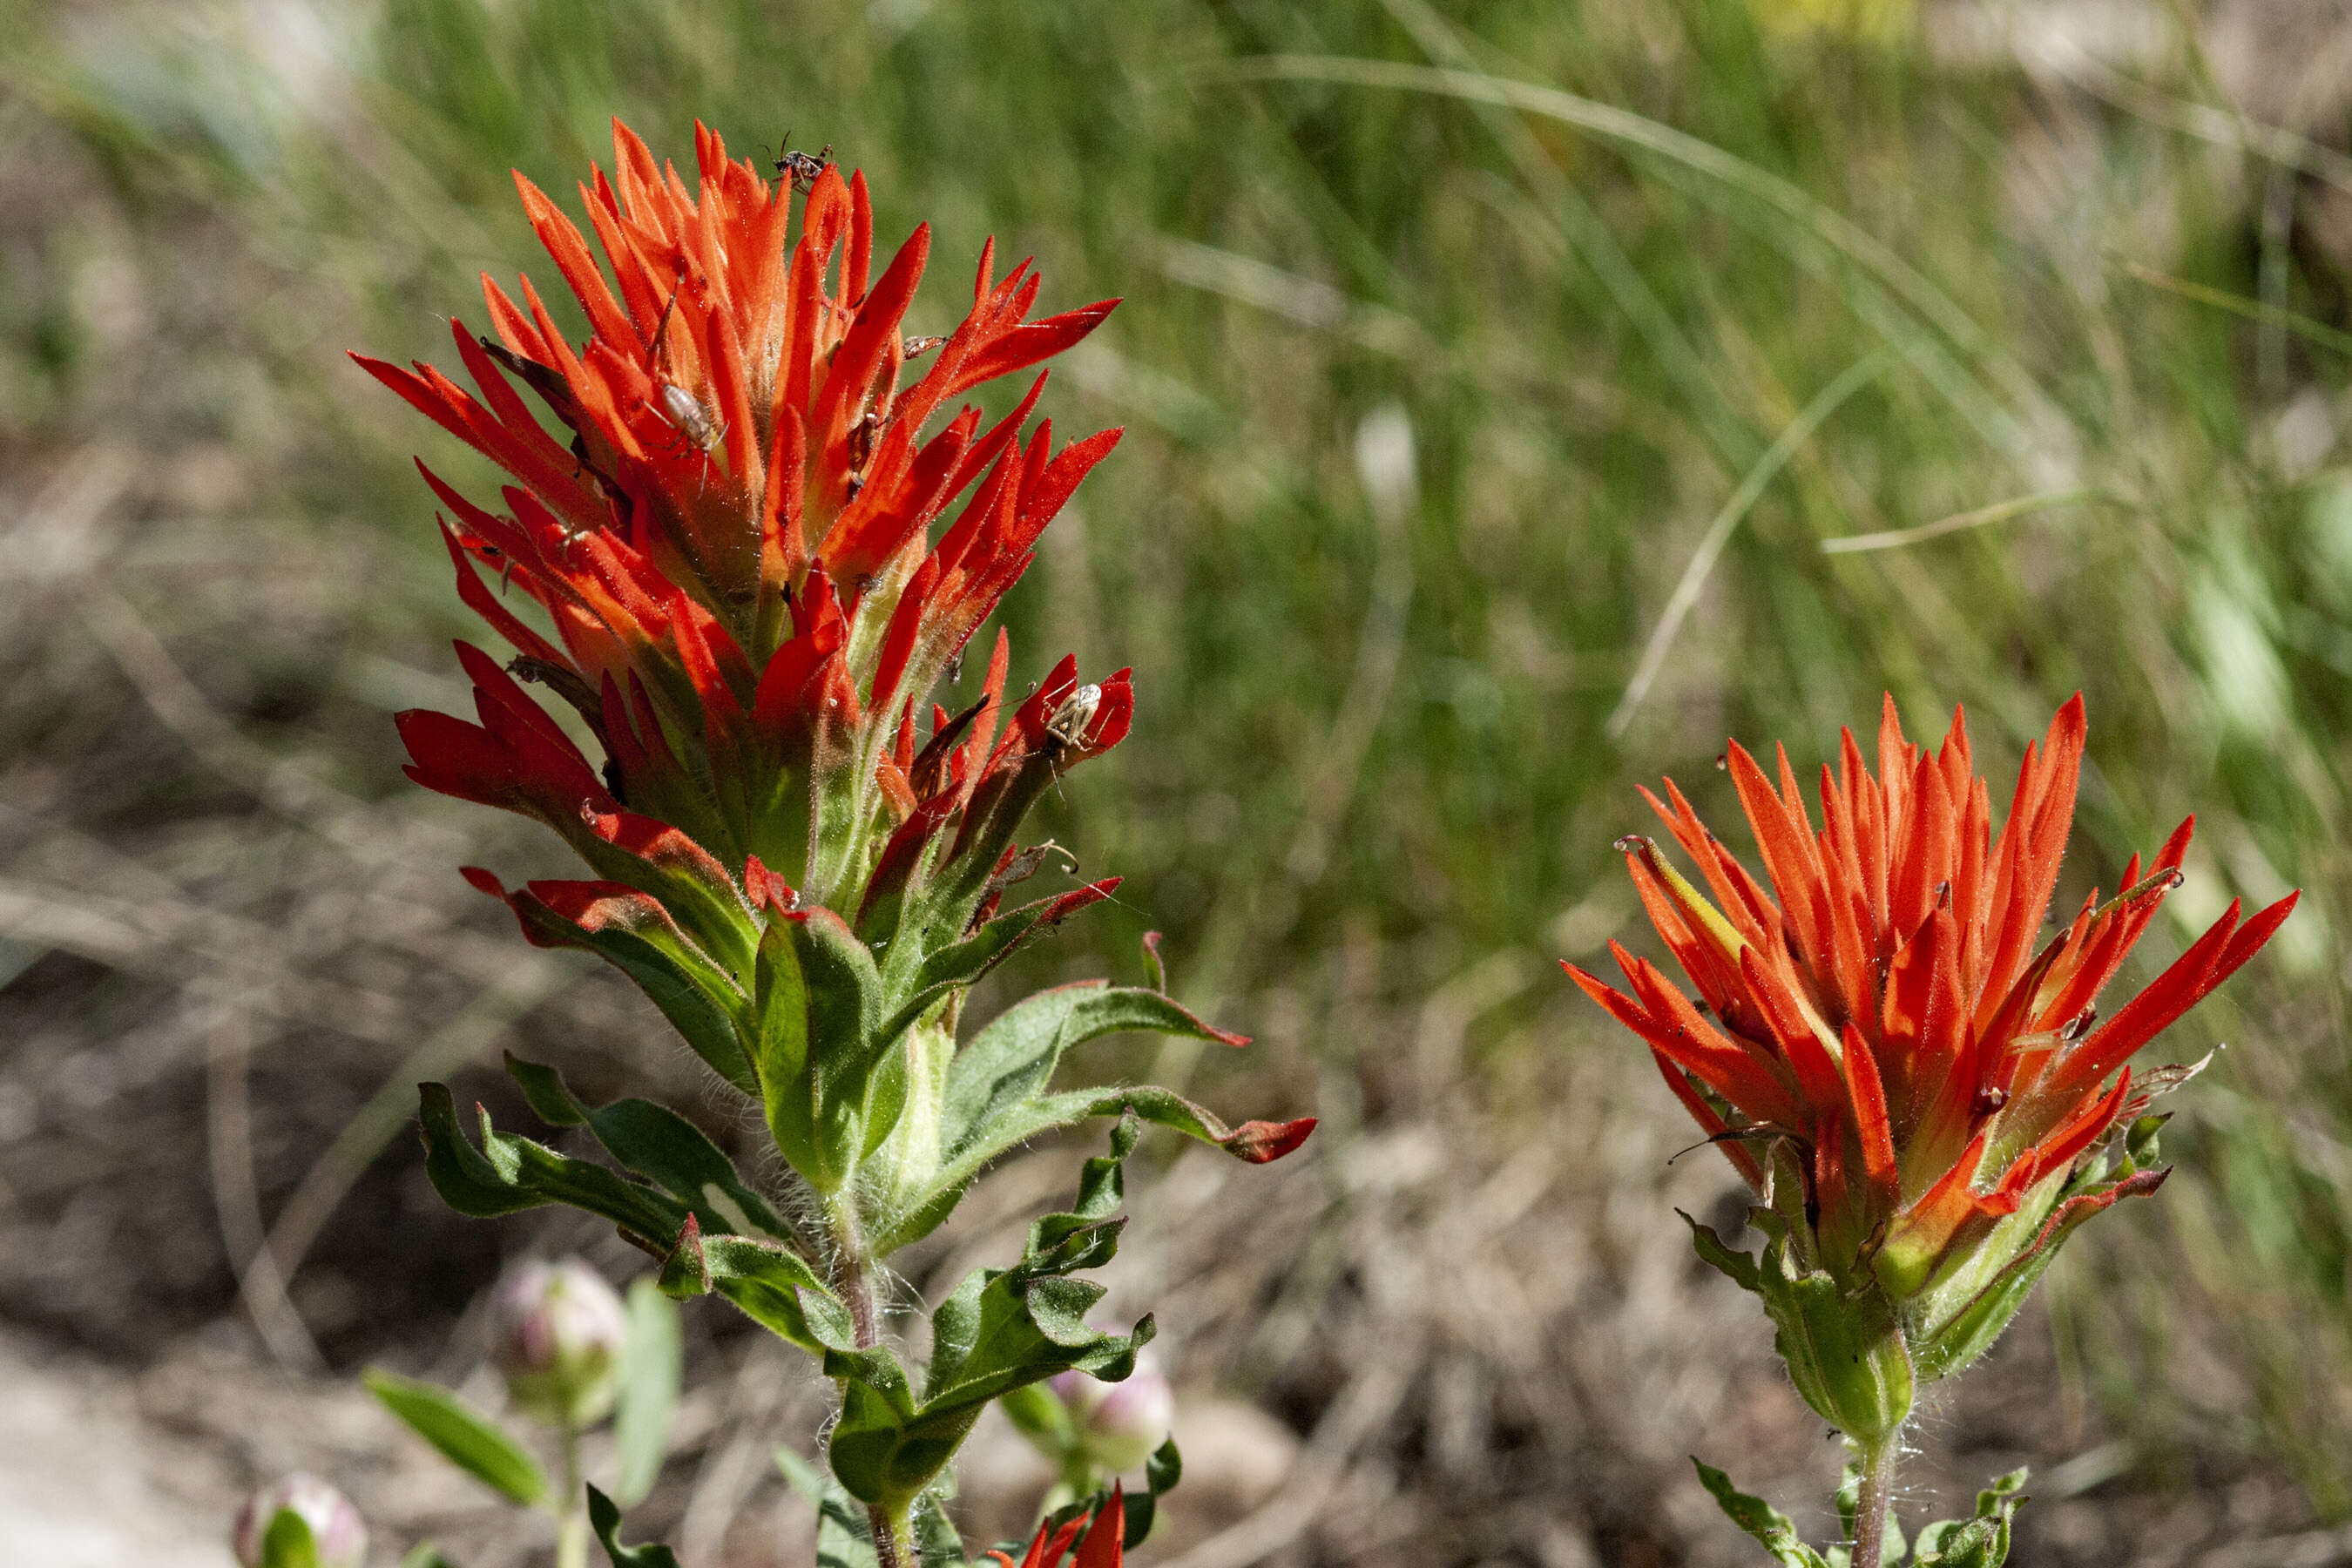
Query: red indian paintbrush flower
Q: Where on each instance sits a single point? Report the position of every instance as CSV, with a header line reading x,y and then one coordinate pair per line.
x,y
745,568
733,549
1883,1046
744,572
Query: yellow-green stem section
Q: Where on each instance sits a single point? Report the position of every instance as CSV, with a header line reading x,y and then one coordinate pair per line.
x,y
572,1513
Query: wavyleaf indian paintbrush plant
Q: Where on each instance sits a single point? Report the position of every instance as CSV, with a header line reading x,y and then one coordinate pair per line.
x,y
1924,1096
765,533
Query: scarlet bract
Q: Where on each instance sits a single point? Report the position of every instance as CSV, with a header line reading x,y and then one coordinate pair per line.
x,y
1101,1546
1878,1022
734,548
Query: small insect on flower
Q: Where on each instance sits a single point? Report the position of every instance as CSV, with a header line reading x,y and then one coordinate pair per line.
x,y
909,348
1068,724
678,408
804,168
863,434
690,419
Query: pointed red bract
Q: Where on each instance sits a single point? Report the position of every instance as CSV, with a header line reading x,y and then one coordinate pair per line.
x,y
1883,1004
723,497
1103,1546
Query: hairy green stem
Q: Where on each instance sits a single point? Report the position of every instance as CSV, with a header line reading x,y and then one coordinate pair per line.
x,y
1876,1496
853,1272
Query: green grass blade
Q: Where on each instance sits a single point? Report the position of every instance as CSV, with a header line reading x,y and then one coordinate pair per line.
x,y
1718,532
466,1437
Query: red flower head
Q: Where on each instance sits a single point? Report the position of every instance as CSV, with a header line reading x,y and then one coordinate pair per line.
x,y
743,571
1879,1029
733,549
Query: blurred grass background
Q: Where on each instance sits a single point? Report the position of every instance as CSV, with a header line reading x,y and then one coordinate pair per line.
x,y
1494,409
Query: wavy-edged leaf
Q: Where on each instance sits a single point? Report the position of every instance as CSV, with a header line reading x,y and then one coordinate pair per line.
x,y
1254,1141
1161,1472
510,1174
660,1145
937,1542
465,1436
1015,1056
1000,1330
1137,1510
605,1518
632,931
1981,1541
773,1286
1771,1528
844,1534
1842,1349
961,964
1972,1329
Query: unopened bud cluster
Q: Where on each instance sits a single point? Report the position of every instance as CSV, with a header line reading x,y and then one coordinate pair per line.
x,y
558,1331
1089,1427
338,1534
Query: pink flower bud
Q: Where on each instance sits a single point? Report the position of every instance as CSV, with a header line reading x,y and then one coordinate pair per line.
x,y
336,1528
557,1335
1118,1425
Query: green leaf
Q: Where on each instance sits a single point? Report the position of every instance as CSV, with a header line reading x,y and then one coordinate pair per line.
x,y
1737,1266
288,1542
1843,1347
544,1090
1981,1541
1971,1329
425,1554
961,964
820,1005
937,1543
1771,1528
1256,1142
1038,1415
1012,1059
604,1519
657,1143
508,1174
700,998
693,890
779,1046
998,1330
771,1285
651,1371
845,1535
465,1436
1160,1474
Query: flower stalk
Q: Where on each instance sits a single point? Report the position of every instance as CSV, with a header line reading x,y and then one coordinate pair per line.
x,y
571,1519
